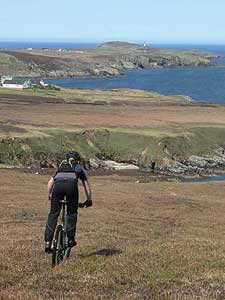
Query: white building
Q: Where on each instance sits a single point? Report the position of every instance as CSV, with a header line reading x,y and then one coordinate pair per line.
x,y
7,77
17,84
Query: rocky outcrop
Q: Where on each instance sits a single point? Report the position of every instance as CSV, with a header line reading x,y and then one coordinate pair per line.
x,y
201,162
172,167
129,65
216,160
194,165
111,165
106,71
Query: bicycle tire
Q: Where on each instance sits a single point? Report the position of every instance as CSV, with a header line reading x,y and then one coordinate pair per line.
x,y
58,247
67,252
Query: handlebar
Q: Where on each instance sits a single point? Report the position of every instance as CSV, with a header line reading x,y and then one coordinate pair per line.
x,y
87,203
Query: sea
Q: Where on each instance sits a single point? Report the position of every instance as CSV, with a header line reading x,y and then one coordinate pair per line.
x,y
201,83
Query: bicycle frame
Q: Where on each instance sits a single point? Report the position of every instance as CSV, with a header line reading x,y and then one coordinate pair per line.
x,y
64,224
64,219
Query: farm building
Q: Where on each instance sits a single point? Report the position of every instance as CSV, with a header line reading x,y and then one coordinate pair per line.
x,y
5,77
17,84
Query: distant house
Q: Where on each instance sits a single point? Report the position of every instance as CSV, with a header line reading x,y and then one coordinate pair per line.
x,y
35,82
43,84
6,77
17,84
38,83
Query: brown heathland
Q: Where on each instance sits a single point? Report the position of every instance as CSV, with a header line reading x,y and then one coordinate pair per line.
x,y
115,108
139,241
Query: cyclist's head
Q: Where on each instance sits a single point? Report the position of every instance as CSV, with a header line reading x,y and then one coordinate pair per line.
x,y
73,157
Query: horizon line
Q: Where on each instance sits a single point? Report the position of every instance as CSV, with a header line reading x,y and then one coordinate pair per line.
x,y
106,41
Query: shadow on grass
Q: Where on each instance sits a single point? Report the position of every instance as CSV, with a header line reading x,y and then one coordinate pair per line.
x,y
4,268
103,252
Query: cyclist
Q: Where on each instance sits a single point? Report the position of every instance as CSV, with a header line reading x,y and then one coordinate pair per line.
x,y
65,183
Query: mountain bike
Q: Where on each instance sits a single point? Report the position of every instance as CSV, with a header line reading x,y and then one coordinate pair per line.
x,y
60,249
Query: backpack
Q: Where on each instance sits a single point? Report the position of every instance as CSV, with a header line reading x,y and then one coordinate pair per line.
x,y
65,166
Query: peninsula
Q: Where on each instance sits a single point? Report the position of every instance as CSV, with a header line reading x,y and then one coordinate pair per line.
x,y
109,59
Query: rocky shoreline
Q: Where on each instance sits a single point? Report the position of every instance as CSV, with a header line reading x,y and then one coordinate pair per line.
x,y
132,172
194,167
164,170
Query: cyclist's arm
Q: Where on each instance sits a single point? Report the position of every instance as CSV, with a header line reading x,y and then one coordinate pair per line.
x,y
82,175
50,185
87,189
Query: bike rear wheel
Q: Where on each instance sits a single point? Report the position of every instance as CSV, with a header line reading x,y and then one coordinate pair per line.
x,y
58,247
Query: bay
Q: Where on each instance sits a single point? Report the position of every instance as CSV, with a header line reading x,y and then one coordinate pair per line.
x,y
220,177
201,84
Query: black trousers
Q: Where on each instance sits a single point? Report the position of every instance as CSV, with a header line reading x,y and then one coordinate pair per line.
x,y
61,188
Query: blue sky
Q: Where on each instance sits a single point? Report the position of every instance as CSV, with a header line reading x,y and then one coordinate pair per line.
x,y
159,21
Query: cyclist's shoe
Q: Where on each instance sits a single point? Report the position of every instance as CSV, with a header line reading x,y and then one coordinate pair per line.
x,y
48,247
72,243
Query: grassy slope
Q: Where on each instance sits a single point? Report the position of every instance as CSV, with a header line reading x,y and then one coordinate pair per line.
x,y
45,140
147,241
92,95
118,145
11,63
